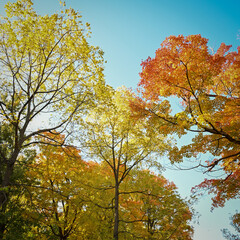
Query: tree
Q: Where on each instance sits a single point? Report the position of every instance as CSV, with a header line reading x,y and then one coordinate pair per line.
x,y
208,85
69,198
149,206
122,142
152,208
12,223
56,194
47,68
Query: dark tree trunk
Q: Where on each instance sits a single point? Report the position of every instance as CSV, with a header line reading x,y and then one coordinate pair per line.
x,y
4,194
63,237
116,212
2,229
3,199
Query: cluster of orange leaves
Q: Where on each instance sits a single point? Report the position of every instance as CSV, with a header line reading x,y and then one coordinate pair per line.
x,y
207,84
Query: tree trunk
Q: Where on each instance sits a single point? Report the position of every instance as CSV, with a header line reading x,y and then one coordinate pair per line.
x,y
116,212
63,237
2,229
4,196
5,183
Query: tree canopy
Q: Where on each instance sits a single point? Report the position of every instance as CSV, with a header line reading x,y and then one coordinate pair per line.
x,y
113,136
48,70
76,155
69,198
207,85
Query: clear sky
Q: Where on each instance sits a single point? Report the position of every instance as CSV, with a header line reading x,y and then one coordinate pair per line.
x,y
129,31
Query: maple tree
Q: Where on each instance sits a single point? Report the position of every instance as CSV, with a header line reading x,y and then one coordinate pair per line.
x,y
47,69
122,142
207,84
152,208
56,195
149,206
68,198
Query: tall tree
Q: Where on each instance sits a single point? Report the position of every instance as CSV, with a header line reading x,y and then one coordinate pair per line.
x,y
152,208
55,193
47,68
149,206
208,86
69,198
120,141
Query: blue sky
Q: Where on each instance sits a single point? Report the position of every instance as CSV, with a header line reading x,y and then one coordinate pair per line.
x,y
129,31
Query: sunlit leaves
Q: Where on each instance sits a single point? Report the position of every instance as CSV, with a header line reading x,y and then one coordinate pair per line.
x,y
48,70
207,86
47,63
121,141
153,209
55,195
111,127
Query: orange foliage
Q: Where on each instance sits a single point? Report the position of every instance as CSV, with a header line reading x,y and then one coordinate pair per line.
x,y
207,84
